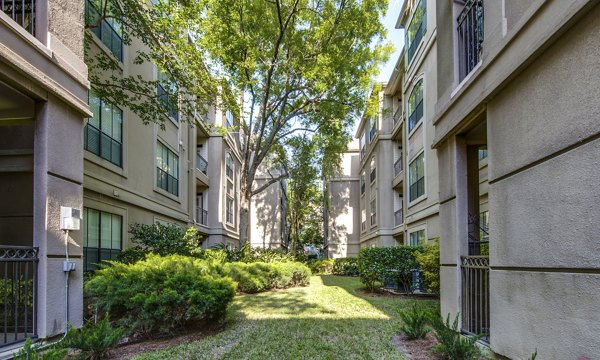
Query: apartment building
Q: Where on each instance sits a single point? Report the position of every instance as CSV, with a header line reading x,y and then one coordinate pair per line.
x,y
43,103
341,220
522,80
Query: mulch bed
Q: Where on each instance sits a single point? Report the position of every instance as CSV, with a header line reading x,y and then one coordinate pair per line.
x,y
419,349
131,348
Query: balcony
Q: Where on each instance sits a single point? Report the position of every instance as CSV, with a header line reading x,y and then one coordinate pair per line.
x,y
201,163
398,217
398,166
470,37
475,273
18,299
202,216
22,12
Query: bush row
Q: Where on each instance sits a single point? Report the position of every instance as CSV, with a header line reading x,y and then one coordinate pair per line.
x,y
376,265
260,276
163,293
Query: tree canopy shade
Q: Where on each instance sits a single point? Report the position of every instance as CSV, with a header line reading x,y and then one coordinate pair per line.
x,y
300,66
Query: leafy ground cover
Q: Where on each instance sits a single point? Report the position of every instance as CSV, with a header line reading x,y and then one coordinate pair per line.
x,y
330,319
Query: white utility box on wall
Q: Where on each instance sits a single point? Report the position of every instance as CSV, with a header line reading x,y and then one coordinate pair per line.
x,y
70,218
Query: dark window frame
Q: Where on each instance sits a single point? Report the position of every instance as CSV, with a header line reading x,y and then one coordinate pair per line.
x,y
417,188
100,251
164,180
105,32
104,139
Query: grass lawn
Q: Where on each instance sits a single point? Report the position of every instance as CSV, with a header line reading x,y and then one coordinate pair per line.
x,y
330,319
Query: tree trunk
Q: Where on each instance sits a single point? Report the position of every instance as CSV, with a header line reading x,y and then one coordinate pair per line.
x,y
244,219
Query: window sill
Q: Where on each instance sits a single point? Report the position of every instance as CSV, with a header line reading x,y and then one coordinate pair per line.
x,y
417,200
167,194
97,160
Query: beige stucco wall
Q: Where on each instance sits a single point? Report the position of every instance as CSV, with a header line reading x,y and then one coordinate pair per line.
x,y
542,131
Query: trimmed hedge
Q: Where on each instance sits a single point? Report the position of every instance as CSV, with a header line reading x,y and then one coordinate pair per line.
x,y
260,276
160,294
376,264
345,266
323,267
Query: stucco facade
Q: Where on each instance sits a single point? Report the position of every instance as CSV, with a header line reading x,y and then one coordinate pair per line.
x,y
43,103
532,100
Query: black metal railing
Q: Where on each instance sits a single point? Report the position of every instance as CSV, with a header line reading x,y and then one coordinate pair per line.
x,y
201,163
470,36
22,12
475,312
397,115
167,182
372,132
398,166
18,292
201,216
398,217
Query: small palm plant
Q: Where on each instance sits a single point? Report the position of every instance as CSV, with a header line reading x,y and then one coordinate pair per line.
x,y
415,322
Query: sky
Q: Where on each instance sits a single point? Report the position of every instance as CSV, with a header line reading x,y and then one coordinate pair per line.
x,y
395,36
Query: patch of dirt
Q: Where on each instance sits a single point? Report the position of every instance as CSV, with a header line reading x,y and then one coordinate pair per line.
x,y
419,349
136,347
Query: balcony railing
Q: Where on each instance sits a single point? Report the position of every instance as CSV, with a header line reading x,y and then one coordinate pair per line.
x,y
202,216
201,163
22,12
475,312
18,293
398,166
398,217
470,36
397,115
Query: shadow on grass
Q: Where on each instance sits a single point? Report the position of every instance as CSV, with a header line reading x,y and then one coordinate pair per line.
x,y
331,319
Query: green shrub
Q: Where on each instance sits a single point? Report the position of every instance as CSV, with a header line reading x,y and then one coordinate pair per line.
x,y
161,240
451,344
259,276
415,322
378,263
290,274
345,266
323,267
251,278
162,293
29,352
95,339
248,254
429,261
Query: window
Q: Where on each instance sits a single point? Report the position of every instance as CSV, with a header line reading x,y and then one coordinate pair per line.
x,y
373,174
416,238
363,219
373,212
416,29
417,177
229,120
483,153
108,29
373,128
166,92
363,144
415,106
101,237
229,206
230,196
103,133
362,183
167,169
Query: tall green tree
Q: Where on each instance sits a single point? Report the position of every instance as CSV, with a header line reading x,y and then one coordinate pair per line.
x,y
303,66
